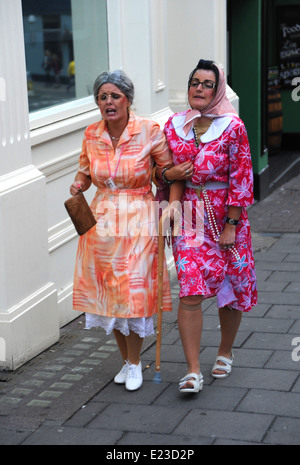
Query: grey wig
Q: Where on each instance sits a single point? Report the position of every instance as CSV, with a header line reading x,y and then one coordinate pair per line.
x,y
119,79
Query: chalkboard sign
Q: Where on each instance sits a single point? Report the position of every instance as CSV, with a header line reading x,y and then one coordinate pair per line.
x,y
288,23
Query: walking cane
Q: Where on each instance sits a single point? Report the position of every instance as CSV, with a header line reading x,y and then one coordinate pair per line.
x,y
161,246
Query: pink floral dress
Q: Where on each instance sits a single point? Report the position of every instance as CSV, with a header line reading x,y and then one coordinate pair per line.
x,y
223,156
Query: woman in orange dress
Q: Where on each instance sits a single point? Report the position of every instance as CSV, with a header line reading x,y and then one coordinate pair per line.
x,y
116,276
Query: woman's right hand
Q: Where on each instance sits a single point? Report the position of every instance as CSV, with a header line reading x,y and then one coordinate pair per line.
x,y
76,187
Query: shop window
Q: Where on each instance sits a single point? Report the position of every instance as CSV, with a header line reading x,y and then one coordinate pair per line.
x,y
66,47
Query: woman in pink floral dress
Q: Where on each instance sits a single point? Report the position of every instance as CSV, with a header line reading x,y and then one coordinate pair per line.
x,y
220,183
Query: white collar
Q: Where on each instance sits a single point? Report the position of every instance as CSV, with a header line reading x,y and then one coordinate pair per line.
x,y
218,126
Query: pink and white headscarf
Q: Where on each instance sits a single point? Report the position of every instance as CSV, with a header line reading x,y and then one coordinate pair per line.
x,y
219,106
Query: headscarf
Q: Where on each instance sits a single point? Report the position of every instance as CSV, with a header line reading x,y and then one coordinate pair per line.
x,y
219,106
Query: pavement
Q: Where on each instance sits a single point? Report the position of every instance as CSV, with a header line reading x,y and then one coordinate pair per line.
x,y
66,395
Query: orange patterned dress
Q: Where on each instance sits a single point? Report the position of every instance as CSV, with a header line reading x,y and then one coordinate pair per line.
x,y
116,272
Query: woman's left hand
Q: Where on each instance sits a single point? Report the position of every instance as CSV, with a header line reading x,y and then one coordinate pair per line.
x,y
180,172
227,237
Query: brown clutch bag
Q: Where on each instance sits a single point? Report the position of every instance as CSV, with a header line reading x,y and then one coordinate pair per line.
x,y
80,213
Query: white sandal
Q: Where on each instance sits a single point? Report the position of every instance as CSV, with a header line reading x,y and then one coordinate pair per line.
x,y
196,379
226,367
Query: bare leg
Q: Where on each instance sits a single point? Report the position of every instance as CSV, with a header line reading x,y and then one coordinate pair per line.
x,y
134,345
190,330
129,346
121,341
230,320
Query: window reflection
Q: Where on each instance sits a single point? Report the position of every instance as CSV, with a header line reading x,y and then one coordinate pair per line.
x,y
65,48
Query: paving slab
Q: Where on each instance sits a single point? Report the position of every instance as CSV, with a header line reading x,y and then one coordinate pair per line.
x,y
163,440
271,341
227,398
232,425
284,431
282,360
64,435
261,378
271,402
138,418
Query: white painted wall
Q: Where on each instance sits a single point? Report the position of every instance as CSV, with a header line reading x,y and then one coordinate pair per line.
x,y
196,29
137,36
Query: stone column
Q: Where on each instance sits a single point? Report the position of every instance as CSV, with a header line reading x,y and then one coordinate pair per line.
x,y
28,300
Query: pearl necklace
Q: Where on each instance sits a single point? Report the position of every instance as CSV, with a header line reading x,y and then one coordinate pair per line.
x,y
212,221
196,138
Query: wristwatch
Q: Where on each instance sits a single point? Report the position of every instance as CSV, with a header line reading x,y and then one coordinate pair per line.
x,y
167,181
232,221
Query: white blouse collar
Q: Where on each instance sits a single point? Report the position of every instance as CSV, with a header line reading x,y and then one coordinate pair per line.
x,y
217,127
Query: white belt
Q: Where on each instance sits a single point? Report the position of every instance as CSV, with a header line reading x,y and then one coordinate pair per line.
x,y
209,185
201,192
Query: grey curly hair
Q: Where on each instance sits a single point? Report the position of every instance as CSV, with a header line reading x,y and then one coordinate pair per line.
x,y
119,79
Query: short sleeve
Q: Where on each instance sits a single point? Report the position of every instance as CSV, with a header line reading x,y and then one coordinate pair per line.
x,y
84,161
160,151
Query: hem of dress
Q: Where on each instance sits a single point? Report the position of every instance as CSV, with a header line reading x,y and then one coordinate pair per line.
x,y
229,304
142,326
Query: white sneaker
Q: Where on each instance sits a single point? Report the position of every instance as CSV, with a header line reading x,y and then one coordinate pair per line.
x,y
120,378
134,378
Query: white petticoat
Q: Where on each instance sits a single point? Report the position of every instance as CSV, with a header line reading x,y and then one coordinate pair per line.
x,y
141,326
